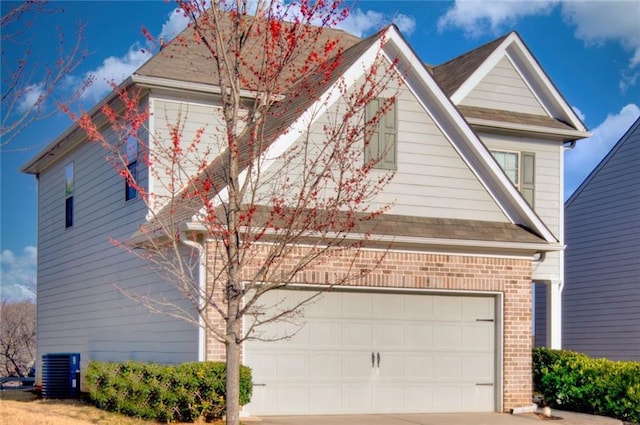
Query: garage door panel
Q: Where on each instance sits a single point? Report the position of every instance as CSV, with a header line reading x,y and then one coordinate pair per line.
x,y
389,335
447,308
356,366
358,335
419,366
433,353
293,366
293,399
477,308
478,337
355,305
358,399
479,368
419,336
325,399
325,367
325,333
392,367
447,366
419,308
392,308
447,336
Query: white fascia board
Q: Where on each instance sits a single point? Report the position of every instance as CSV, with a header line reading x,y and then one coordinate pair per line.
x,y
542,86
310,115
70,138
462,137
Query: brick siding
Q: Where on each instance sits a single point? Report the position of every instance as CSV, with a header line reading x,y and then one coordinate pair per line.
x,y
416,270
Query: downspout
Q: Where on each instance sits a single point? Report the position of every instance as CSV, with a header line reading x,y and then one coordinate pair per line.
x,y
202,285
569,144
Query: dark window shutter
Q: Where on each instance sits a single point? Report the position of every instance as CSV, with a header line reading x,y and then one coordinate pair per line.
x,y
373,149
383,137
389,130
528,179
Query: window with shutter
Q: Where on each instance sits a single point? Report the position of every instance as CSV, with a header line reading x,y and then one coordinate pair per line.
x,y
383,137
520,168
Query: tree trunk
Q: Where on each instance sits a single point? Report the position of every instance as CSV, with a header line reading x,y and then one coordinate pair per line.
x,y
233,367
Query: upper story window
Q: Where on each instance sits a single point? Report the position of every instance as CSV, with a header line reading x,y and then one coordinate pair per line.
x,y
68,195
132,166
520,168
383,138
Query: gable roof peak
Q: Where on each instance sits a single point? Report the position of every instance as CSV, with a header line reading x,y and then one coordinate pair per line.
x,y
451,74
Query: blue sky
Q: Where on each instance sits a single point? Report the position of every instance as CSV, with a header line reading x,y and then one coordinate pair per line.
x,y
590,49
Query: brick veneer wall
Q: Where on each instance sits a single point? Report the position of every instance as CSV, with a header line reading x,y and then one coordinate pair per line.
x,y
417,270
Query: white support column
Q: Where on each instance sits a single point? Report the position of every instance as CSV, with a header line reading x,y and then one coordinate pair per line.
x,y
554,314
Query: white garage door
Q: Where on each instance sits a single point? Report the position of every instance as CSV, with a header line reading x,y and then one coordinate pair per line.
x,y
377,353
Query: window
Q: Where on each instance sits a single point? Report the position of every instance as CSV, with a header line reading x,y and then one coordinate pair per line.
x,y
132,166
68,195
520,168
382,139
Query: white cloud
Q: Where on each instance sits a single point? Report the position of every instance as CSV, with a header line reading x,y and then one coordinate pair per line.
x,y
598,21
174,25
477,17
361,23
588,153
31,96
114,69
18,274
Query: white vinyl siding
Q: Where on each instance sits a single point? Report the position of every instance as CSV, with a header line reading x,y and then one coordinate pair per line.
x,y
601,297
431,179
168,112
79,307
503,88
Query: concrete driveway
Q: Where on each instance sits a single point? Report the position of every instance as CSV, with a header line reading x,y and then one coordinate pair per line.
x,y
568,418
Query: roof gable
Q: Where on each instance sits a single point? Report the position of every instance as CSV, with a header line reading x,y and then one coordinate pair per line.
x,y
486,58
435,102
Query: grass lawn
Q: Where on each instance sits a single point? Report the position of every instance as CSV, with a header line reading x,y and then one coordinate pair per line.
x,y
19,407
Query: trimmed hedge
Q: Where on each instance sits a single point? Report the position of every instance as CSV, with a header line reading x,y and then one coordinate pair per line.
x,y
577,382
164,393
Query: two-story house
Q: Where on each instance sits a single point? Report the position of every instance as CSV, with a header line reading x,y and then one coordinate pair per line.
x,y
443,324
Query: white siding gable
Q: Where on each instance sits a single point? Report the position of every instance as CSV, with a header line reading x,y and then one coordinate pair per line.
x,y
432,179
504,88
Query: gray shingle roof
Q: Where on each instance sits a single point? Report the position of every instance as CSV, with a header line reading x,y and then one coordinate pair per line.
x,y
452,74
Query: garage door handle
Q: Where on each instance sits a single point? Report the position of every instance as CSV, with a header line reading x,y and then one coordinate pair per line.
x,y
378,356
373,359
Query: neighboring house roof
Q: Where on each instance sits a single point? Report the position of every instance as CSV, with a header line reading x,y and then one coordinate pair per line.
x,y
635,127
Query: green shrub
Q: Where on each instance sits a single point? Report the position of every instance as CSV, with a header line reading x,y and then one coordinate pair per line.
x,y
163,393
574,381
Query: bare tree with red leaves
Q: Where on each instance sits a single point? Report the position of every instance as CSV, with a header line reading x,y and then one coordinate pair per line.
x,y
29,84
278,185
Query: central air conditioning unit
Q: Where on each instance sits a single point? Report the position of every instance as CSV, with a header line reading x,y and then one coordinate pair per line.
x,y
61,375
